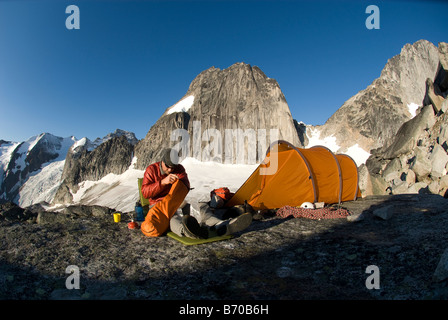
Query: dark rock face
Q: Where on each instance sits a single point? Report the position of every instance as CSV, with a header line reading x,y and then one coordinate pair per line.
x,y
301,132
442,74
130,136
13,213
113,156
240,97
149,149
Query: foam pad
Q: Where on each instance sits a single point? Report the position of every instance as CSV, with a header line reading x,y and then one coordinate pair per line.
x,y
190,241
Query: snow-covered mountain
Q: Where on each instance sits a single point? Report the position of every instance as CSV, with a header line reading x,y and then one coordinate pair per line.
x,y
105,171
31,171
130,137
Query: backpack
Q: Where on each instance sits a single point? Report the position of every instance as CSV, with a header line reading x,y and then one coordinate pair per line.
x,y
224,193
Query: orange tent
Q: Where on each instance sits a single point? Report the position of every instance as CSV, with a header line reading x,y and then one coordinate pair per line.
x,y
292,176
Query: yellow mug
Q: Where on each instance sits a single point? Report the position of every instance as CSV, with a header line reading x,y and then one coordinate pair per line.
x,y
117,217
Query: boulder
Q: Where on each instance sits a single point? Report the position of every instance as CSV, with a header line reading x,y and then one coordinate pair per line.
x,y
63,194
418,187
356,217
408,134
384,213
420,145
421,164
9,211
72,212
399,188
434,187
410,177
364,181
47,217
439,159
444,106
441,272
443,135
433,96
442,73
444,182
392,170
379,186
87,211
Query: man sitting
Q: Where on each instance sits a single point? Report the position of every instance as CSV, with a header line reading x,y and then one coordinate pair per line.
x,y
157,182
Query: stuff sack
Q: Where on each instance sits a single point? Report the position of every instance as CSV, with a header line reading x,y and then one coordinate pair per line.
x,y
224,193
157,220
218,197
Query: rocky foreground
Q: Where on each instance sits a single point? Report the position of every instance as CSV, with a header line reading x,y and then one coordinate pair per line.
x,y
404,236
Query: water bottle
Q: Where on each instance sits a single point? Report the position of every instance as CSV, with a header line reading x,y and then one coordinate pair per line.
x,y
139,211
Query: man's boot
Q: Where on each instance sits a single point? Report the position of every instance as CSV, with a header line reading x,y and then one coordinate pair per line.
x,y
192,228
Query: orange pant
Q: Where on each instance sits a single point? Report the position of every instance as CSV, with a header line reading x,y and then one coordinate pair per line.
x,y
157,220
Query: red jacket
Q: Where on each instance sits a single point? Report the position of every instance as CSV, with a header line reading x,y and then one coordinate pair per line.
x,y
152,188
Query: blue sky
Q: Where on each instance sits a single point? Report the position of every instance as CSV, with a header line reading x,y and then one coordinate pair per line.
x,y
130,60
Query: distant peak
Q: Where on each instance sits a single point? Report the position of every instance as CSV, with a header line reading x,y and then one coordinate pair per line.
x,y
130,136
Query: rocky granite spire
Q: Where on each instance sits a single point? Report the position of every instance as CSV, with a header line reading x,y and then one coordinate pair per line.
x,y
240,97
416,160
373,116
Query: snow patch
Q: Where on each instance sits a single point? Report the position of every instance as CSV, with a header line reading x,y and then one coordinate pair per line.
x,y
80,143
358,154
182,106
121,191
114,191
206,176
315,140
412,107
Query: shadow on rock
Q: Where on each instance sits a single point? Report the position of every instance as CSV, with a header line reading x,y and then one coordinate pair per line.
x,y
274,258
